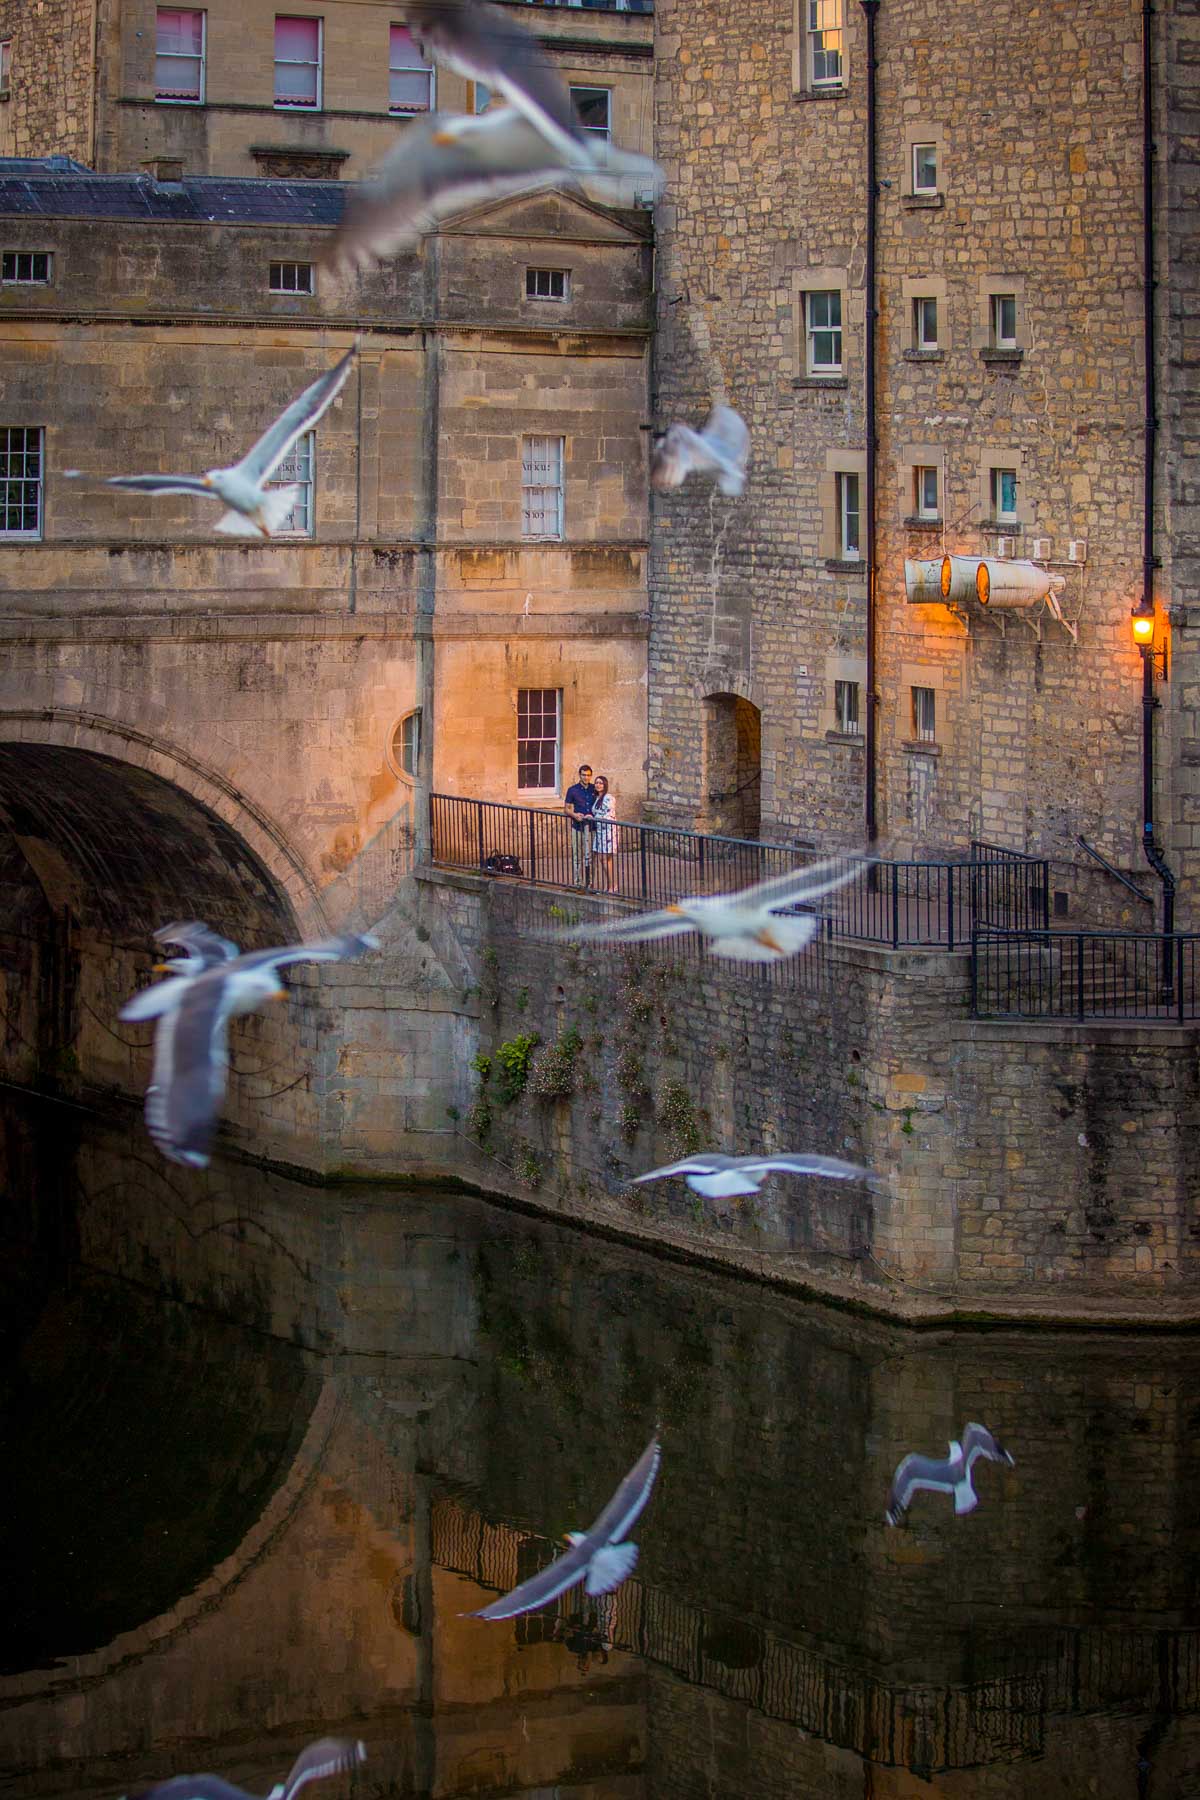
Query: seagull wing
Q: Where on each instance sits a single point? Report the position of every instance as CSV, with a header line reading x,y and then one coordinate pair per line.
x,y
328,1756
335,949
675,454
727,441
193,1787
199,940
978,1441
796,886
802,1164
190,1067
629,1499
481,42
914,1473
565,1572
149,484
642,928
692,1165
299,417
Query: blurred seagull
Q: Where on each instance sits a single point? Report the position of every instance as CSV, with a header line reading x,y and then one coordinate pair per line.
x,y
482,43
191,1060
718,1176
328,1756
203,947
254,509
597,1557
720,449
950,1474
747,926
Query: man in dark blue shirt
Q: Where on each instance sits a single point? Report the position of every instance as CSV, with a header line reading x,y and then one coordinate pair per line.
x,y
578,805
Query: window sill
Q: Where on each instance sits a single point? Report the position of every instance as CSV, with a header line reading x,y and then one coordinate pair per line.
x,y
168,100
1001,357
916,523
921,747
846,565
845,737
924,356
821,381
922,202
1001,527
820,93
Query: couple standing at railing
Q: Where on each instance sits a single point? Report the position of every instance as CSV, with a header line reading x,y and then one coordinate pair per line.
x,y
589,806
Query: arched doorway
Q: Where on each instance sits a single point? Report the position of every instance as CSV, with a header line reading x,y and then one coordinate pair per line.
x,y
732,797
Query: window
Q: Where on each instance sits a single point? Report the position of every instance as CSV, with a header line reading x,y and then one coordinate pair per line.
x,y
20,481
539,738
1003,493
5,68
924,715
823,332
593,107
25,268
924,169
481,96
848,518
297,62
925,491
410,78
824,43
925,323
1004,321
179,57
547,284
410,742
845,707
290,278
542,487
297,468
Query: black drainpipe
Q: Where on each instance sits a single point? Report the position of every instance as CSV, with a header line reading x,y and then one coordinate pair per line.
x,y
871,8
1153,854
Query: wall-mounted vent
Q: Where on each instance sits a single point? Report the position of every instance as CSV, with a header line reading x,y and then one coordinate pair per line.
x,y
1005,546
1041,549
1077,550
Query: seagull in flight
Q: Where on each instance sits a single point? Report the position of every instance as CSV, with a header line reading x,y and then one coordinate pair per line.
x,y
191,1058
328,1756
746,926
254,510
720,448
722,1176
950,1474
484,44
598,1557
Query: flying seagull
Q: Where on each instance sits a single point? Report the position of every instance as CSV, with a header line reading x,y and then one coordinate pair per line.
x,y
950,1474
482,43
254,510
719,1176
598,1557
328,1756
191,1060
746,926
720,449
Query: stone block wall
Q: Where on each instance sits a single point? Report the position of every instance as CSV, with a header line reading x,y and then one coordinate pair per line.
x,y
50,109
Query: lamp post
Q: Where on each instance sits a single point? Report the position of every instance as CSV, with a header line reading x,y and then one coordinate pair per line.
x,y
1154,662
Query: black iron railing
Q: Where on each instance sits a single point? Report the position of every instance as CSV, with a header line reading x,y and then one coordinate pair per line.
x,y
937,904
1084,975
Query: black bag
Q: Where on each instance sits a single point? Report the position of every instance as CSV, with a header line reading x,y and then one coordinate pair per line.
x,y
495,864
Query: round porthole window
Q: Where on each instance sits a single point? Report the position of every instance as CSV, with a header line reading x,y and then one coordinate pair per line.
x,y
404,745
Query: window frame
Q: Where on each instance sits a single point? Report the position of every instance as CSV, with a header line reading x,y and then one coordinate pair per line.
x,y
924,190
557,740
542,488
996,472
923,717
282,263
847,719
6,45
554,299
305,106
824,371
305,444
420,67
23,534
997,338
588,87
921,508
826,83
920,342
846,550
31,280
163,98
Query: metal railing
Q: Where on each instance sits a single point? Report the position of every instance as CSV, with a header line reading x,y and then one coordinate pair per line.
x,y
936,904
1084,975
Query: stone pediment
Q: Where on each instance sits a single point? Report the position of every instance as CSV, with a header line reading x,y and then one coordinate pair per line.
x,y
551,213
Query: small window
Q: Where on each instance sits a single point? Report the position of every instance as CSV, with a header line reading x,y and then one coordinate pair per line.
x,y
539,739
542,487
593,108
25,268
924,715
924,169
925,323
546,284
1003,491
297,62
845,707
848,518
179,57
410,78
297,469
824,43
406,744
925,491
290,278
480,96
1004,321
823,332
5,68
20,481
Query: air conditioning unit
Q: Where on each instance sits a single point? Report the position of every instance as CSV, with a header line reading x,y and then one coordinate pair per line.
x,y
1041,549
923,582
1005,546
1000,584
1077,550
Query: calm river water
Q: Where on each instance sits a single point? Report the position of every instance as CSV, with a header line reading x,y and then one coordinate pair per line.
x,y
264,1445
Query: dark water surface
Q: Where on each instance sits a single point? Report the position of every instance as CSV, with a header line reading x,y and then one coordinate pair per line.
x,y
263,1445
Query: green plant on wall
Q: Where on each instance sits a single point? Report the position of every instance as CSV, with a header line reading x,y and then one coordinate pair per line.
x,y
677,1117
512,1062
528,1165
482,1066
479,1120
552,1073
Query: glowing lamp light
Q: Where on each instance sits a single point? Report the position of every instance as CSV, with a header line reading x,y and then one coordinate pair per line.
x,y
983,584
947,577
1142,625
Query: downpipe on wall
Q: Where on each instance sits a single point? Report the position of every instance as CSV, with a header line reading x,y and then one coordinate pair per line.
x,y
870,806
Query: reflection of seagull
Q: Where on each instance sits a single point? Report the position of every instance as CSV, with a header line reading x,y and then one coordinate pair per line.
x,y
328,1756
254,509
190,1056
597,1556
720,449
718,1176
950,1474
745,926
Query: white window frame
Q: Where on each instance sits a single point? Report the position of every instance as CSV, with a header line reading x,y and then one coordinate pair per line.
x,y
849,542
1000,339
920,341
197,99
926,476
542,499
407,737
996,476
28,533
596,131
16,278
420,67
5,68
847,708
281,287
539,787
825,62
919,186
924,715
289,62
812,330
533,280
299,467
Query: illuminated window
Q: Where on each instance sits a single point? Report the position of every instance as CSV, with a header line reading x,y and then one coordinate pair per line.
x,y
297,62
410,78
824,43
296,469
179,57
542,487
20,481
823,332
539,738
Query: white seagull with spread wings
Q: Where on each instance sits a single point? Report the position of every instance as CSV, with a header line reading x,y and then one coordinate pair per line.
x,y
328,1756
598,1557
720,448
950,1474
721,1176
254,509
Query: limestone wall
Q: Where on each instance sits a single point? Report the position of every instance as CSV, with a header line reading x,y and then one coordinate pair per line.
x,y
50,109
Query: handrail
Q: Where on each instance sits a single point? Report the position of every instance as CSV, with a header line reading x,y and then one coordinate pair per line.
x,y
1146,899
1151,977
